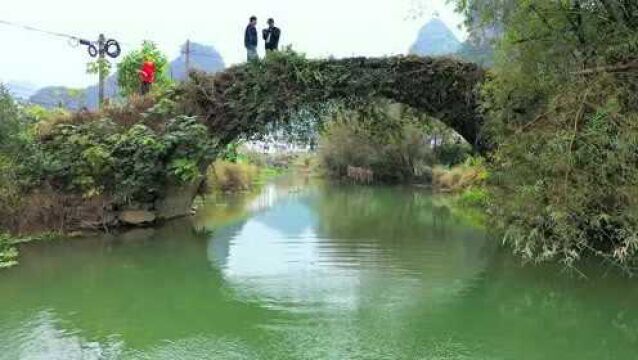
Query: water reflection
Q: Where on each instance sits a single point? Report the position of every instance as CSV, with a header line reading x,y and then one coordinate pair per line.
x,y
125,292
323,245
308,271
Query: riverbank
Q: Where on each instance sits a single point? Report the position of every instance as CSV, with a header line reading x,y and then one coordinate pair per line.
x,y
223,177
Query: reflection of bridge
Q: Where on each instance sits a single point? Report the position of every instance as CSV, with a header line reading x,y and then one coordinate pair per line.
x,y
244,100
272,210
331,245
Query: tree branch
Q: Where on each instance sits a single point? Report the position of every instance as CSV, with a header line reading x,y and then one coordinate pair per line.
x,y
609,68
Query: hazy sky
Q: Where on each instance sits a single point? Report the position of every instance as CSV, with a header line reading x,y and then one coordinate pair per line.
x,y
318,28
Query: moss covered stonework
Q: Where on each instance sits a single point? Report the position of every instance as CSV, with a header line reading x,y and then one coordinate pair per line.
x,y
243,100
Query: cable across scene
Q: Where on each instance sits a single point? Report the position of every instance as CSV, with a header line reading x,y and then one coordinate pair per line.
x,y
31,28
77,39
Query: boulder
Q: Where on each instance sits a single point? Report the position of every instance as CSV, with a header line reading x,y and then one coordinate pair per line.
x,y
177,201
136,217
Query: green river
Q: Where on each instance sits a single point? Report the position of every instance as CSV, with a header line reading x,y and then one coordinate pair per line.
x,y
309,271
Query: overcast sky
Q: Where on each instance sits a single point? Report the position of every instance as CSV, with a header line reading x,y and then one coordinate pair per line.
x,y
318,28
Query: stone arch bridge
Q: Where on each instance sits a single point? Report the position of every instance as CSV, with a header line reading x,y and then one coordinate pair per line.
x,y
245,99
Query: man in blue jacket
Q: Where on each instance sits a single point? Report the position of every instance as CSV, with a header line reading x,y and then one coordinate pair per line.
x,y
250,39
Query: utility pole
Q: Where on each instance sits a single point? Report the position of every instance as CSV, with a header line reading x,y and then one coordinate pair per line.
x,y
101,59
188,57
104,47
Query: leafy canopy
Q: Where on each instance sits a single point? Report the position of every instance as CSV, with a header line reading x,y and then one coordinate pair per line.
x,y
562,106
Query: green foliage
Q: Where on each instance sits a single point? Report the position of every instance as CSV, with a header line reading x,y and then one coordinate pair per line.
x,y
96,67
41,114
563,111
124,154
394,141
231,152
476,196
385,139
8,252
472,174
131,164
185,170
544,44
452,153
16,146
12,122
276,161
128,69
567,186
51,160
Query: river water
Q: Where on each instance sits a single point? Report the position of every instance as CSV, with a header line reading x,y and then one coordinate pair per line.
x,y
309,271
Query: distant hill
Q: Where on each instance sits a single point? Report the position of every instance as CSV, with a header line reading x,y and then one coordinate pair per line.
x,y
59,96
21,90
435,39
205,58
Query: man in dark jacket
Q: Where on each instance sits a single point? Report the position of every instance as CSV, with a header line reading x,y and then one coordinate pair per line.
x,y
271,36
250,39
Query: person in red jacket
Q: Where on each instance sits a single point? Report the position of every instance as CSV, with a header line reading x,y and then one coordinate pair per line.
x,y
147,75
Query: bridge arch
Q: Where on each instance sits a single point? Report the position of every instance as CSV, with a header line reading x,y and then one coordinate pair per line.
x,y
243,100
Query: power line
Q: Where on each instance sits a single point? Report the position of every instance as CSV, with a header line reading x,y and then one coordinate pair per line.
x,y
77,39
31,28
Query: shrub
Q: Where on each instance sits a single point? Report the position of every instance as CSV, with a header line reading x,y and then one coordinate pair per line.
x,y
398,153
472,173
8,252
127,70
132,164
561,104
475,197
565,186
232,177
51,161
451,154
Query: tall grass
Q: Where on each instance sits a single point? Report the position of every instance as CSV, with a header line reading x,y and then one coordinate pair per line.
x,y
472,173
227,176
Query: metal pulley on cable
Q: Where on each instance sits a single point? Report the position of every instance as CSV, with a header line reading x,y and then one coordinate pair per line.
x,y
90,47
110,47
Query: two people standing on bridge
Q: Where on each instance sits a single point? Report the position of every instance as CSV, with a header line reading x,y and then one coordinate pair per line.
x,y
271,36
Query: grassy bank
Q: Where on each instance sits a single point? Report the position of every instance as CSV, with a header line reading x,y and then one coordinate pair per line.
x,y
230,177
241,170
467,182
388,143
